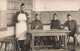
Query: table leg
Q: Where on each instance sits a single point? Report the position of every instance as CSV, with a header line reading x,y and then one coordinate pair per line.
x,y
32,43
66,42
1,45
18,46
74,43
5,46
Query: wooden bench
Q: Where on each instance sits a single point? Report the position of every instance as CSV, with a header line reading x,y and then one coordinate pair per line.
x,y
9,44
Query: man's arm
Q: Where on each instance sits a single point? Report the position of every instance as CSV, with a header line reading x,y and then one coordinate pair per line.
x,y
76,27
32,25
51,24
59,24
15,18
65,24
27,17
41,25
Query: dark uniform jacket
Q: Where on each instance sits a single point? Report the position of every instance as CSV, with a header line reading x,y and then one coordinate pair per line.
x,y
35,23
72,26
55,24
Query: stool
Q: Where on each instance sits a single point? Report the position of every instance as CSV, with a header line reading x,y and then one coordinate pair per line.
x,y
9,44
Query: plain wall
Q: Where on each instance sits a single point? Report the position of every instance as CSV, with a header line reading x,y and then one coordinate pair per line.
x,y
56,5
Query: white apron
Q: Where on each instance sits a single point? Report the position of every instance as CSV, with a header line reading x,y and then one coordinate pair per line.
x,y
21,27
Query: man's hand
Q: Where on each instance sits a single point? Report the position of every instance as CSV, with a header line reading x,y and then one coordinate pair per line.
x,y
36,26
76,35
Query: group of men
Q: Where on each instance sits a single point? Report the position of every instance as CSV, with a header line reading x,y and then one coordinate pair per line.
x,y
56,24
21,26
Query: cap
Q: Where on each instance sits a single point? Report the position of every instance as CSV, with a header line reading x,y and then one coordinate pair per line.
x,y
68,14
55,14
36,14
22,4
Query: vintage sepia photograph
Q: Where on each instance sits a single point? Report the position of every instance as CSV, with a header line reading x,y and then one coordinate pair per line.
x,y
39,25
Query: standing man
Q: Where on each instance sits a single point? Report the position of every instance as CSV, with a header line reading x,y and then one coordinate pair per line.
x,y
73,27
20,20
55,24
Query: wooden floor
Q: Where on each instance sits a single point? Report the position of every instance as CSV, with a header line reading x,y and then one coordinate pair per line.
x,y
78,49
69,48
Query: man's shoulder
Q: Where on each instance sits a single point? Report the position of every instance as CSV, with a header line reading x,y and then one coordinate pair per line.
x,y
33,21
58,20
66,22
26,13
55,20
36,21
18,12
73,20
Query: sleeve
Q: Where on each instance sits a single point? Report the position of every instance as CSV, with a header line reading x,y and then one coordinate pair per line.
x,y
51,24
41,25
65,24
76,27
27,17
59,24
15,18
32,25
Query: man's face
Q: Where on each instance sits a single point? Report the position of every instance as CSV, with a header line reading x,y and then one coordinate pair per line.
x,y
55,17
69,18
22,8
37,17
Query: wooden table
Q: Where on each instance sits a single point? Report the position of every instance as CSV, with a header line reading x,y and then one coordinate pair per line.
x,y
52,32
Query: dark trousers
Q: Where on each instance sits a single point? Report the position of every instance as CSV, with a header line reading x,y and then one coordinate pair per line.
x,y
61,40
25,44
55,41
21,44
40,40
74,43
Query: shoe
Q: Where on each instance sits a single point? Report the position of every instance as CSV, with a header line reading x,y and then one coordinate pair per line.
x,y
61,46
56,47
72,50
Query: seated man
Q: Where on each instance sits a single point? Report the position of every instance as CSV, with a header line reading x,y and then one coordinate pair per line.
x,y
37,24
55,24
73,27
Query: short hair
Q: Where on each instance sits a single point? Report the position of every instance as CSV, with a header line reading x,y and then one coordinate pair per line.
x,y
22,4
68,14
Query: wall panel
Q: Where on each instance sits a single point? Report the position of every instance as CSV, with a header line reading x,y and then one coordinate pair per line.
x,y
46,16
14,5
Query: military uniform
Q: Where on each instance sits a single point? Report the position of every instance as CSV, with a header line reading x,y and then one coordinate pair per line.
x,y
73,27
55,24
37,24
